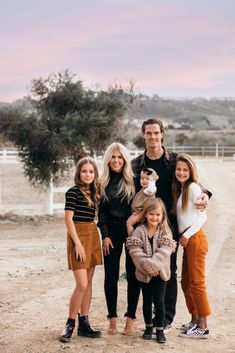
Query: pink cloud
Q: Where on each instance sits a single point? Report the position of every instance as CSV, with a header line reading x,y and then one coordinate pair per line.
x,y
162,44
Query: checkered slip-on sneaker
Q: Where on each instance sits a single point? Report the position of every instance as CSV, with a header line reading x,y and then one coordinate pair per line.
x,y
186,327
195,332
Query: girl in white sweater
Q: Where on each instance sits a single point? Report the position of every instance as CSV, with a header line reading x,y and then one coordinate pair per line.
x,y
150,247
186,190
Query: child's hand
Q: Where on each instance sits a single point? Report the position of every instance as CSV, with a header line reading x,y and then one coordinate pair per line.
x,y
183,241
154,273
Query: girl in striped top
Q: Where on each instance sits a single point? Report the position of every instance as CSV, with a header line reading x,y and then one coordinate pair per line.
x,y
83,245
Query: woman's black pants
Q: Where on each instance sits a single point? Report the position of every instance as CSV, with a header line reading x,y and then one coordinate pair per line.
x,y
117,233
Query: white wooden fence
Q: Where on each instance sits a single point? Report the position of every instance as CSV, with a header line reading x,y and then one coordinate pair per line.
x,y
8,155
11,156
50,204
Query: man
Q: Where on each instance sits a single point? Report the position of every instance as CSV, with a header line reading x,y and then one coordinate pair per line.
x,y
163,162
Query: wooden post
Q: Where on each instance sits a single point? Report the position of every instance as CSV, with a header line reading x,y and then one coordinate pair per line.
x,y
217,150
49,199
4,155
0,191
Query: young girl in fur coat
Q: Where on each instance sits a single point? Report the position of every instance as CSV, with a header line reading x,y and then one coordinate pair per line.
x,y
150,247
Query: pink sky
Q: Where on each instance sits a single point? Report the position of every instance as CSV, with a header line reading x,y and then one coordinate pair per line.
x,y
170,48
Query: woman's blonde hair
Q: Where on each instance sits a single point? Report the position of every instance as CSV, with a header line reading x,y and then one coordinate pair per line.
x,y
176,185
126,186
92,195
151,205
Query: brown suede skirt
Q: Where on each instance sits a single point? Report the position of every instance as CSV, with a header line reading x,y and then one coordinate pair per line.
x,y
88,235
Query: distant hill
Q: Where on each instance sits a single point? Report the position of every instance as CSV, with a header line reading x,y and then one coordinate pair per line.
x,y
19,103
4,104
196,120
186,120
199,113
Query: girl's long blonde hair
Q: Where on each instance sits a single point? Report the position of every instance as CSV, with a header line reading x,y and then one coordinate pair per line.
x,y
176,185
126,185
92,194
164,226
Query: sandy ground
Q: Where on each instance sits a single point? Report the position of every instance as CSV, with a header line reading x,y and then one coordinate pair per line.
x,y
35,284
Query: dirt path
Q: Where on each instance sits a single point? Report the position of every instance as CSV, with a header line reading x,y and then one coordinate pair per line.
x,y
35,284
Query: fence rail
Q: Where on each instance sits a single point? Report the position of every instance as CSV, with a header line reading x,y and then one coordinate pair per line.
x,y
50,206
8,155
217,151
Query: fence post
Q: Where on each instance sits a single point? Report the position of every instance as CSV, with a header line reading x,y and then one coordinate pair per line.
x,y
217,150
4,155
223,151
49,199
0,191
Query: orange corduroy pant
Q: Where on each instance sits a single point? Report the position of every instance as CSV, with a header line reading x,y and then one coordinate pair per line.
x,y
193,280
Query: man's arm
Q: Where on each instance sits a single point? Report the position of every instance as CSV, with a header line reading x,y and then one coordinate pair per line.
x,y
202,200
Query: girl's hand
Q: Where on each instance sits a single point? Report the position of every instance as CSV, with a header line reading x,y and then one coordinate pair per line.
x,y
107,243
154,274
183,241
80,253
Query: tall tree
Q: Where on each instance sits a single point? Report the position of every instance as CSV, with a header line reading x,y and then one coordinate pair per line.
x,y
65,123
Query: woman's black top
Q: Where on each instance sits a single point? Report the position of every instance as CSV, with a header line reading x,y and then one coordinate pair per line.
x,y
116,208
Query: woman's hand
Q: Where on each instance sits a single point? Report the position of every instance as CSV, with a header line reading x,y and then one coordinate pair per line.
x,y
107,243
183,241
80,253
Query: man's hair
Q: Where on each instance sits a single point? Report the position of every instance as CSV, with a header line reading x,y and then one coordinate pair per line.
x,y
152,121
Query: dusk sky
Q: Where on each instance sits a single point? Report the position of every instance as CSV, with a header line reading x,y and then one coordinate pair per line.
x,y
173,48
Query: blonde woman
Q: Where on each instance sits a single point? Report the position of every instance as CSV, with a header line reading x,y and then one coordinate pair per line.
x,y
117,192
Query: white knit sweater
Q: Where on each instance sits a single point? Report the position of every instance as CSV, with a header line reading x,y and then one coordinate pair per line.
x,y
190,218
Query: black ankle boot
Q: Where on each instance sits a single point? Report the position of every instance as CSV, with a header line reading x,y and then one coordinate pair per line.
x,y
85,329
68,331
147,335
160,337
